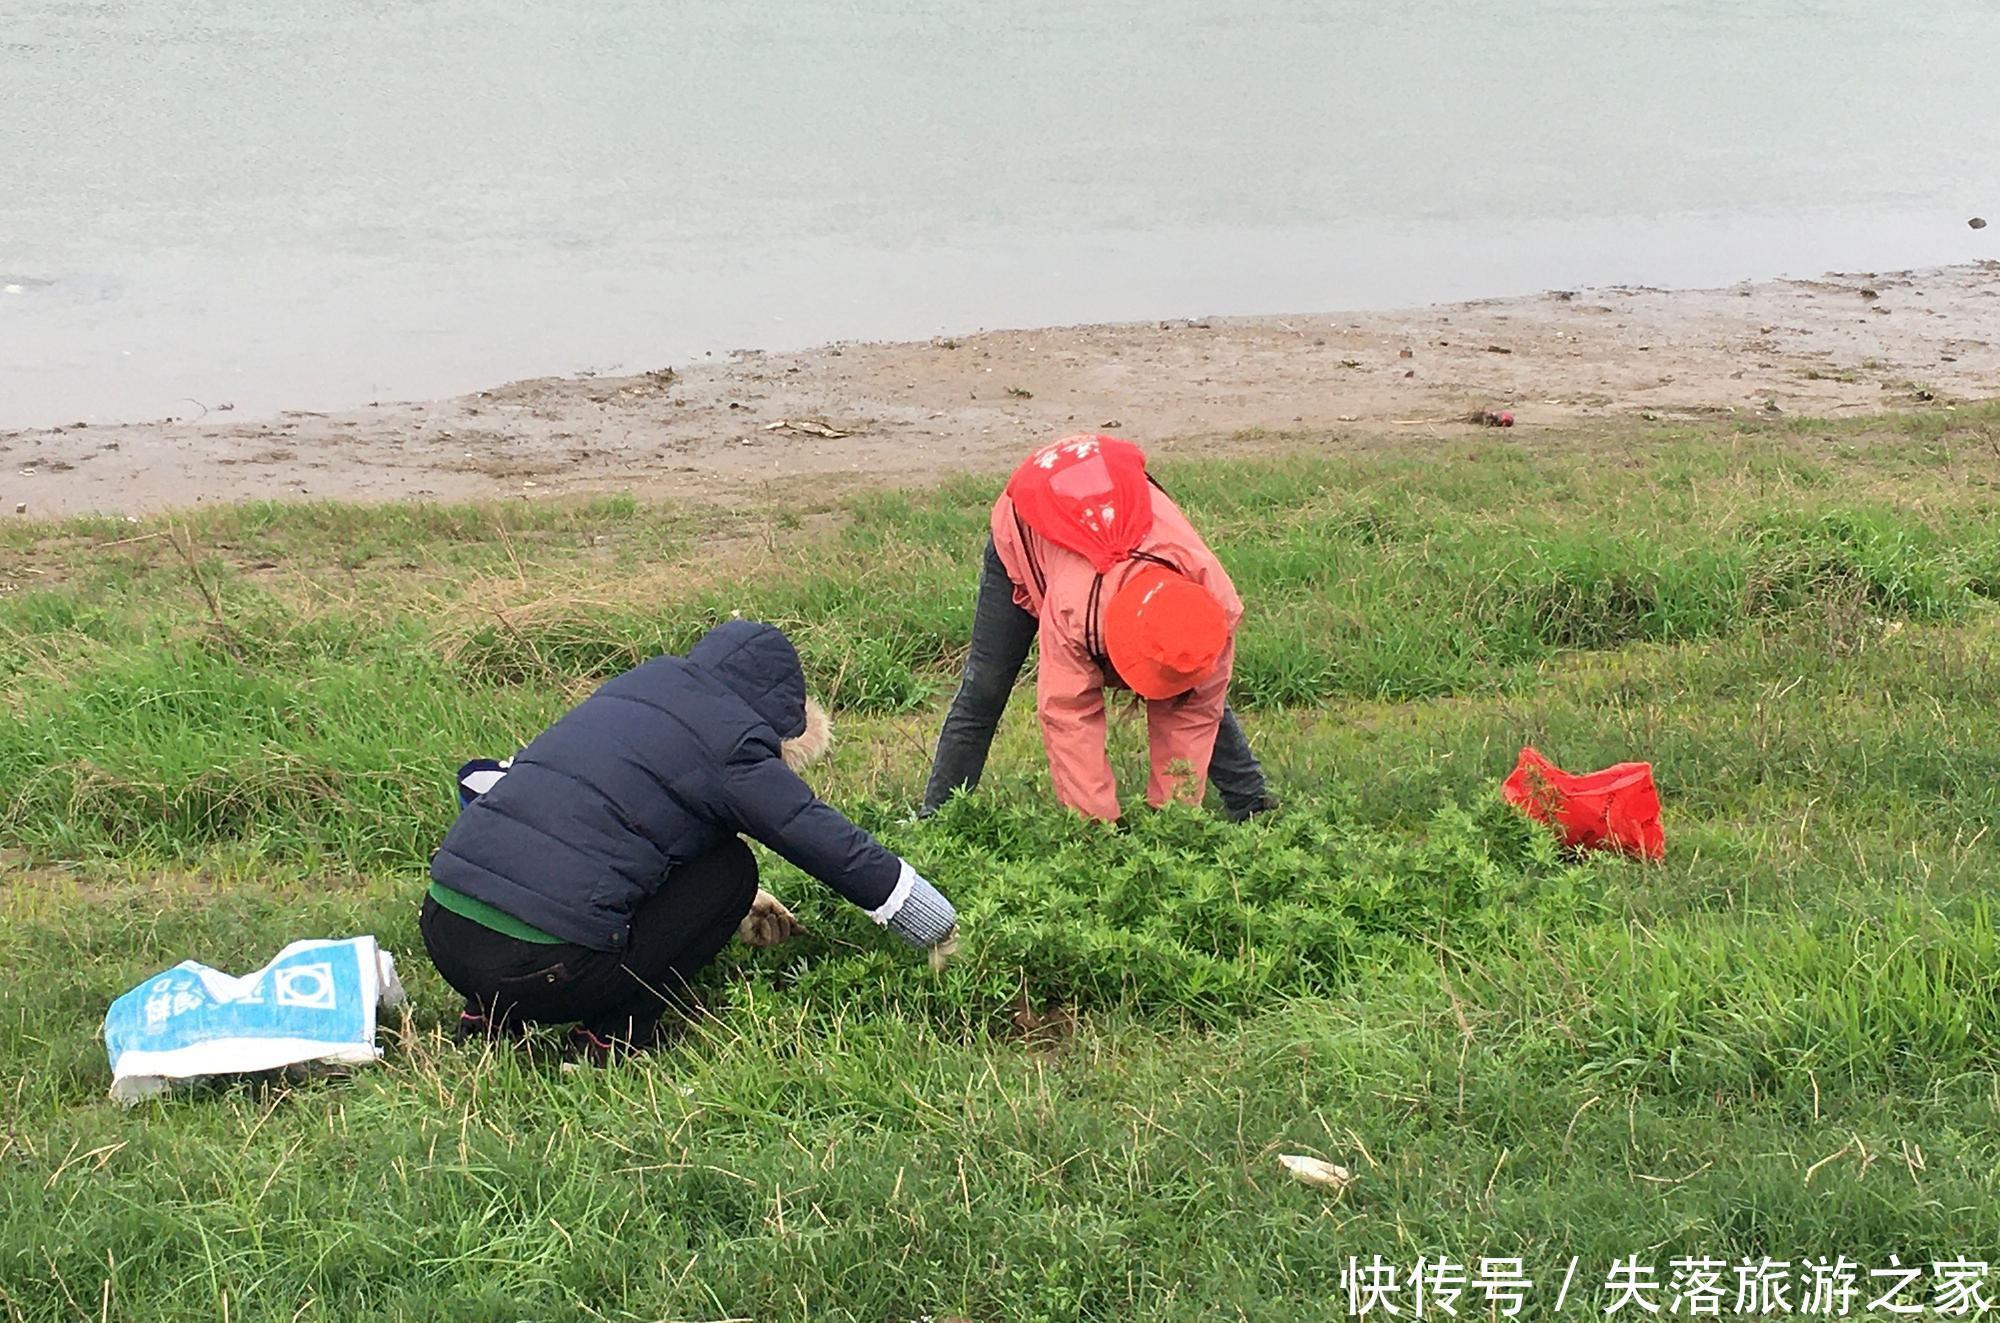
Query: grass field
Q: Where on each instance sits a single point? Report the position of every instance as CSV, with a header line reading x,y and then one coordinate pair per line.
x,y
236,728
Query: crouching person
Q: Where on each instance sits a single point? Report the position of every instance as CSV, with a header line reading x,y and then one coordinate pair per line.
x,y
604,866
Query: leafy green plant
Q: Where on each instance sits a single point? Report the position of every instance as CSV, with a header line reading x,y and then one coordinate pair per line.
x,y
1184,914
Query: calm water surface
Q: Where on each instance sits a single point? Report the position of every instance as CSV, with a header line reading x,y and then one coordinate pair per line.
x,y
319,204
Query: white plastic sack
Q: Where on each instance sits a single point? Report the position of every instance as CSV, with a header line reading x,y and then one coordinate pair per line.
x,y
315,1001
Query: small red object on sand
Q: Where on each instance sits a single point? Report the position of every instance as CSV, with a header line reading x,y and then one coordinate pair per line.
x,y
1615,809
1491,418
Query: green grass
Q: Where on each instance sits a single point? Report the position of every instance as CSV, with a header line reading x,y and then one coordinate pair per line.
x,y
235,729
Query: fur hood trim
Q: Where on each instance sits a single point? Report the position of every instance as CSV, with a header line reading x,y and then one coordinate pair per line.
x,y
811,744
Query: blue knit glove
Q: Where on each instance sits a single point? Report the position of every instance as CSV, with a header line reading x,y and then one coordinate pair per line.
x,y
916,911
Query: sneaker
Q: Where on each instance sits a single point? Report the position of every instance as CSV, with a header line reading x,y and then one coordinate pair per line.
x,y
472,1026
599,1048
475,1025
1268,803
592,1049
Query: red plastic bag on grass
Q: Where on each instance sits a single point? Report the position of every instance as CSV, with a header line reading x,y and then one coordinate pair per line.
x,y
1615,809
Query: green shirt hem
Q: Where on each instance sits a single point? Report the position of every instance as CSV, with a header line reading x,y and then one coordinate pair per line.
x,y
497,919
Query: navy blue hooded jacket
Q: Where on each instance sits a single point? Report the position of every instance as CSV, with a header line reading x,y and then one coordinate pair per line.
x,y
656,768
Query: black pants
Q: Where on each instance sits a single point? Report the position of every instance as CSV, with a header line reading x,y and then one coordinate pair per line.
x,y
1002,633
617,995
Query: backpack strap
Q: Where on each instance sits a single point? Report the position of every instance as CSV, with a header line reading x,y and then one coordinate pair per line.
x,y
1028,550
1093,625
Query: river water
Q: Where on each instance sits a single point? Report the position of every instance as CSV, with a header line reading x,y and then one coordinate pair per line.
x,y
317,204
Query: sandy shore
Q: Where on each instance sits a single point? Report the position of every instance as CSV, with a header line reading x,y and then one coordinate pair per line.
x,y
888,412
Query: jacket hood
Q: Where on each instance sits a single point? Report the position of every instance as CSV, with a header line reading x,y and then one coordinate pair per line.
x,y
759,665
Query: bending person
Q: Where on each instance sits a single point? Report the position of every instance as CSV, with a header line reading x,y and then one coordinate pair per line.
x,y
1090,557
598,870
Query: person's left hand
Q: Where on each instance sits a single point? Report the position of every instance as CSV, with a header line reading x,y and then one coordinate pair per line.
x,y
768,923
945,951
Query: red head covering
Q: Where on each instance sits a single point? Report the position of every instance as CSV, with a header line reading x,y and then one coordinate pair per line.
x,y
1164,633
1087,493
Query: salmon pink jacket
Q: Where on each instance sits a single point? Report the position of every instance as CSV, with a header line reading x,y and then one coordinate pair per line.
x,y
1054,584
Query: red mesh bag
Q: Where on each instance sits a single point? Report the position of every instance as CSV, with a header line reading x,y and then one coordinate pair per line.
x,y
1615,809
1087,493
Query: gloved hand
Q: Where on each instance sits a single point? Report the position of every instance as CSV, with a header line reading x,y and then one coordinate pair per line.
x,y
945,951
768,922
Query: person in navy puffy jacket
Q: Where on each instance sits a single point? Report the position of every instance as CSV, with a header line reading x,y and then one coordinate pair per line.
x,y
605,867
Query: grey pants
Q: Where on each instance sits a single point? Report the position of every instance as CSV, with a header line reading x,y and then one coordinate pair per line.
x,y
1001,634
